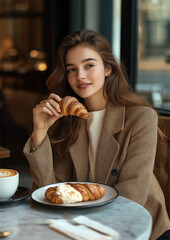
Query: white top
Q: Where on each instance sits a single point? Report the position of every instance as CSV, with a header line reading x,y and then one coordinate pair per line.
x,y
94,126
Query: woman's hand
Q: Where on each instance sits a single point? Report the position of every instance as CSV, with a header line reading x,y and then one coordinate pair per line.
x,y
44,116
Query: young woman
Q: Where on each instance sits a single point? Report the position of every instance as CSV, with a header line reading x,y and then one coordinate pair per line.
x,y
115,146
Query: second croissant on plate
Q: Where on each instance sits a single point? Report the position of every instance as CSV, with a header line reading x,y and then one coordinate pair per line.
x,y
71,106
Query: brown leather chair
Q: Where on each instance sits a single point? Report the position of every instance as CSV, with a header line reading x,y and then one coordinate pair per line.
x,y
162,160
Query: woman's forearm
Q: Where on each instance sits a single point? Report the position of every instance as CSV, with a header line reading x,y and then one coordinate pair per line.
x,y
38,137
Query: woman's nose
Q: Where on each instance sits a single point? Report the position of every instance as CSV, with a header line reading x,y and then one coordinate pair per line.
x,y
80,74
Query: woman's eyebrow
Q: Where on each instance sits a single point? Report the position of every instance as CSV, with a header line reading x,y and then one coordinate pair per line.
x,y
84,60
89,59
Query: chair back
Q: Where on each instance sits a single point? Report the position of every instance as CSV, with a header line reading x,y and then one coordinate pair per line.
x,y
162,160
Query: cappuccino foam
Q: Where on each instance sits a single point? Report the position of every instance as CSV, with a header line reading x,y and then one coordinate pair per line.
x,y
7,173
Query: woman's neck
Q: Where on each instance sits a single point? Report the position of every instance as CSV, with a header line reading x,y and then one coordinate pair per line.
x,y
95,104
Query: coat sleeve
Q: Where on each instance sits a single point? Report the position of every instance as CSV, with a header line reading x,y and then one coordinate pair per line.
x,y
135,175
41,163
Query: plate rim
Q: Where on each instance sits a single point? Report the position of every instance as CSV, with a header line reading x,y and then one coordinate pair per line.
x,y
71,206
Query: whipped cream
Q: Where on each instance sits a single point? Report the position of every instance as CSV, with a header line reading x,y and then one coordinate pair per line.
x,y
68,194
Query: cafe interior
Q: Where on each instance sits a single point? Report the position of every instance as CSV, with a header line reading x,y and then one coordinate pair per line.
x,y
31,30
30,33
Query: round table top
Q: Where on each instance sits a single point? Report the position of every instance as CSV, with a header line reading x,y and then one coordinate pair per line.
x,y
28,219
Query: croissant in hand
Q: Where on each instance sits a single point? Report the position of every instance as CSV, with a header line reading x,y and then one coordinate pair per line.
x,y
71,106
74,192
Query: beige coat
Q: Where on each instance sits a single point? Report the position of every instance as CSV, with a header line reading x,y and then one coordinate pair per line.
x,y
125,160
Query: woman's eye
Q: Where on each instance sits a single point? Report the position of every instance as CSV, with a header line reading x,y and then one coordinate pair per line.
x,y
70,70
89,65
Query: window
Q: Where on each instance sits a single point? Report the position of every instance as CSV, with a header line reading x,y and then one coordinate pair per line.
x,y
153,75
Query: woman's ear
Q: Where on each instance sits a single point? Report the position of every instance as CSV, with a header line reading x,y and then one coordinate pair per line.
x,y
108,70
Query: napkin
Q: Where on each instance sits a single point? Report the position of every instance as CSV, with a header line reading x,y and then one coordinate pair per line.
x,y
82,231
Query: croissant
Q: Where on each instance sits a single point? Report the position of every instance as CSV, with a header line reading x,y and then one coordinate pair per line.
x,y
71,106
74,192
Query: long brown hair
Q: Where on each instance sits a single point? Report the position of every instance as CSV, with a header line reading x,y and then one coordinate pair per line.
x,y
65,131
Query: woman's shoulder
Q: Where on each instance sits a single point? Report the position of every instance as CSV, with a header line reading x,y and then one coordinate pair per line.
x,y
141,110
143,115
132,114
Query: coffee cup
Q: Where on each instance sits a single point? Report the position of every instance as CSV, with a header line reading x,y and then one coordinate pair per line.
x,y
9,180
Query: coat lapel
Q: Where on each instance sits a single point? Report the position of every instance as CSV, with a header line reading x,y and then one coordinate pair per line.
x,y
107,150
79,154
108,146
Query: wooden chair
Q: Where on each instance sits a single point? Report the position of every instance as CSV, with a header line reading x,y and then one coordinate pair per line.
x,y
4,152
162,160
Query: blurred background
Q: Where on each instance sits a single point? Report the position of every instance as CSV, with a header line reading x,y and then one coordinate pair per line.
x,y
30,32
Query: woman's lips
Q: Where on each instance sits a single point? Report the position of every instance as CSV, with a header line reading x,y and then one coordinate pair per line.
x,y
83,86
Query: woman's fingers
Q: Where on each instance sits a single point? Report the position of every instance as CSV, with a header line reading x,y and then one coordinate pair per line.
x,y
54,101
54,104
46,107
43,109
55,97
51,105
47,112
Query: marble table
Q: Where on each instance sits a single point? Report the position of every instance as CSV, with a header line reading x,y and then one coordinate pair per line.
x,y
27,219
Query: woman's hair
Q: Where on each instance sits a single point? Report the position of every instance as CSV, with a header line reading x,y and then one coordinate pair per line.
x,y
65,131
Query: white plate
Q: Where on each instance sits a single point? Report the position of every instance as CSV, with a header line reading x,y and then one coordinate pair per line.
x,y
111,193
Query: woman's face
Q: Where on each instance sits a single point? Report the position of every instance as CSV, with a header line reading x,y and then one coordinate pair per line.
x,y
86,72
